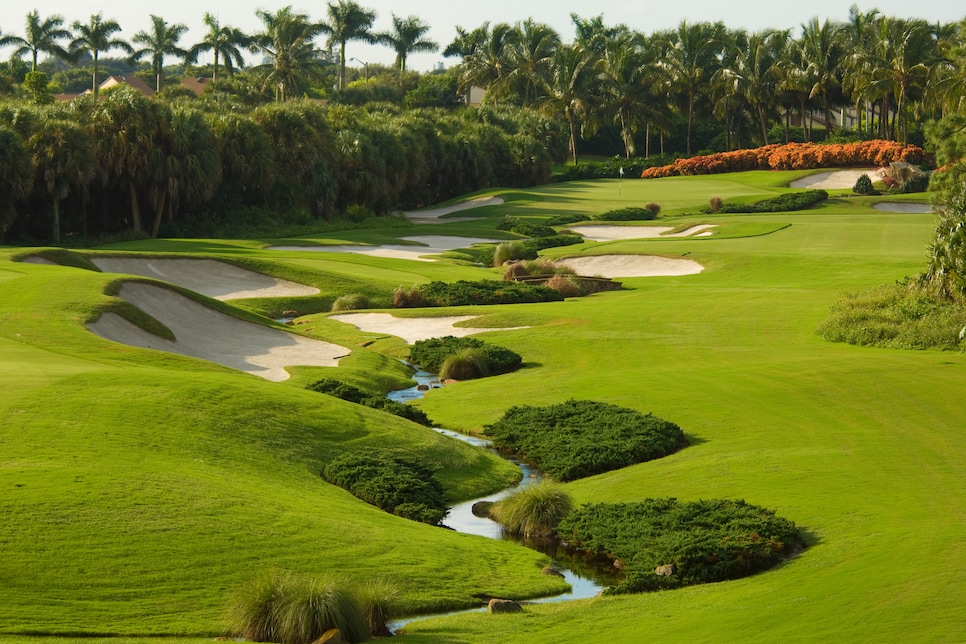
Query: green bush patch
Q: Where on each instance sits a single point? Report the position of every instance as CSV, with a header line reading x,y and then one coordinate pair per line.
x,y
347,392
464,293
782,203
432,353
395,484
666,543
579,438
627,214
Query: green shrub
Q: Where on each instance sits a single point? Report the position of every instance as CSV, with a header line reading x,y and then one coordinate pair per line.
x,y
863,185
280,606
394,484
506,251
626,214
536,244
465,364
916,183
787,202
349,393
610,169
532,511
533,230
698,542
432,353
654,207
581,438
464,293
350,302
566,220
408,298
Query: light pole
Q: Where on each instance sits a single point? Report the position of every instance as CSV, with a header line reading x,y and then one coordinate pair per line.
x,y
367,67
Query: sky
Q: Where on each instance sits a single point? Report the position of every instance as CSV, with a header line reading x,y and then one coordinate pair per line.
x,y
443,16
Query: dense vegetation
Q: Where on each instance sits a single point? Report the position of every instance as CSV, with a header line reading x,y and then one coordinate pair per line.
x,y
627,214
666,543
579,438
432,353
787,202
464,292
345,391
395,484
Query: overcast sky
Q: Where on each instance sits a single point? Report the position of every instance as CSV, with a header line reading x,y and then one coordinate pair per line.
x,y
443,16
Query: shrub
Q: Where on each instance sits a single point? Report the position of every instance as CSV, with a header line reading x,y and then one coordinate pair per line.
x,y
280,606
698,542
465,364
351,302
541,266
352,394
715,203
863,185
536,244
463,293
627,214
564,220
654,207
432,353
533,230
411,298
378,598
915,183
506,251
787,202
580,438
394,484
565,285
532,511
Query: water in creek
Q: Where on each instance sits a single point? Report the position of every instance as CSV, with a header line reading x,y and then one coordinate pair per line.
x,y
584,580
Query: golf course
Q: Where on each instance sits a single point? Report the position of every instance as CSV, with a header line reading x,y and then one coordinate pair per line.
x,y
159,447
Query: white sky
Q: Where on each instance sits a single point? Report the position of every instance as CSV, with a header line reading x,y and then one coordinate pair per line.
x,y
443,16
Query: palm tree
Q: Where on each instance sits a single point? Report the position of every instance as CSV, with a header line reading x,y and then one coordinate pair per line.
x,y
756,74
822,54
689,62
288,44
569,88
95,37
226,42
530,59
348,21
406,38
486,65
161,42
40,36
16,176
859,39
64,159
467,42
594,35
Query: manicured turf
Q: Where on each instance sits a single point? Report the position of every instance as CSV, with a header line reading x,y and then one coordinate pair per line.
x,y
151,486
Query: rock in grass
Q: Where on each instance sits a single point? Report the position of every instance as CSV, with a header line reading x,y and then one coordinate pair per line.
x,y
504,606
331,636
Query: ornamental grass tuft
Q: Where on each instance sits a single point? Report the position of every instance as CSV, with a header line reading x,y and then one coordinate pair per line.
x,y
533,511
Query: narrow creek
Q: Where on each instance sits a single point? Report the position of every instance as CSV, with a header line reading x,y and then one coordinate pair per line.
x,y
584,581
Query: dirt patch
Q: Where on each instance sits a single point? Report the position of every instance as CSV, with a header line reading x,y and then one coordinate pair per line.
x,y
217,280
204,333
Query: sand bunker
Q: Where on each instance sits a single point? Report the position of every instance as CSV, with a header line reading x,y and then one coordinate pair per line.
x,y
413,329
431,245
204,333
903,207
432,215
217,280
632,266
37,259
613,233
835,180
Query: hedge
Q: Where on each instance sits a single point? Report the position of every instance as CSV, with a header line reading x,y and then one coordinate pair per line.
x,y
430,354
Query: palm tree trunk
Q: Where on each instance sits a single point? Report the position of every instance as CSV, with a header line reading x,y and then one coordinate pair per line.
x,y
342,65
647,141
214,72
690,119
135,207
573,135
158,212
56,219
94,88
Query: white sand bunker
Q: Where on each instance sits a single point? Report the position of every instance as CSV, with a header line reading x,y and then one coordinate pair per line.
x,y
632,266
204,333
613,233
413,329
835,180
217,280
903,207
432,215
430,245
37,259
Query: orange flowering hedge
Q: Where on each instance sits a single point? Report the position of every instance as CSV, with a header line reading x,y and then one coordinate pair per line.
x,y
792,156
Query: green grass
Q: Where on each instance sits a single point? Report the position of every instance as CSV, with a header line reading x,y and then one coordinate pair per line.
x,y
153,485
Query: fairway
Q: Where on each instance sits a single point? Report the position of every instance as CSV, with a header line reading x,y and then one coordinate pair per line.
x,y
140,488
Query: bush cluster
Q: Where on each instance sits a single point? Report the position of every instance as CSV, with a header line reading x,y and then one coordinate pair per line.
x,y
792,156
787,202
525,228
579,438
463,293
431,354
863,186
566,220
398,485
627,214
610,169
352,394
697,542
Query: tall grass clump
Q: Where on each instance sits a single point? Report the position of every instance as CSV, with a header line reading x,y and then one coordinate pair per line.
x,y
350,302
408,298
533,511
465,364
281,606
378,598
506,251
715,203
654,207
566,285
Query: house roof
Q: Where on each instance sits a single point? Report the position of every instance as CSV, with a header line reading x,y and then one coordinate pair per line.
x,y
131,81
196,84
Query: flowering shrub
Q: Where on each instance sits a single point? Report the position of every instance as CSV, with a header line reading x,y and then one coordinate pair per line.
x,y
793,156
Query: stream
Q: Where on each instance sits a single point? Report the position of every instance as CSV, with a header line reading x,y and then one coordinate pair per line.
x,y
583,580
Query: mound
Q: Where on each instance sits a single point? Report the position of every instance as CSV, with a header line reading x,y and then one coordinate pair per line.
x,y
201,332
612,233
218,280
412,329
632,266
